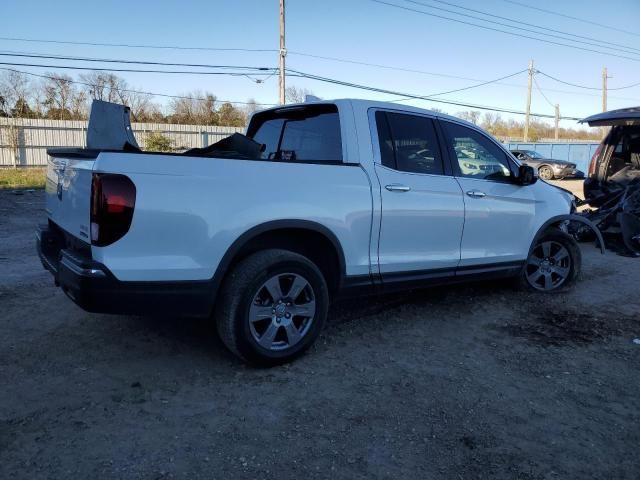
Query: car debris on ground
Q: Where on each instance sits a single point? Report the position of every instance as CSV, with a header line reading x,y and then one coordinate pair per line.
x,y
613,186
618,219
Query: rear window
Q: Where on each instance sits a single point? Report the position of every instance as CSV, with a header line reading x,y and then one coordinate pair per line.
x,y
310,133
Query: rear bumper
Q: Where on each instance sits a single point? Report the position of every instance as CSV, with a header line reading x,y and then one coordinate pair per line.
x,y
95,289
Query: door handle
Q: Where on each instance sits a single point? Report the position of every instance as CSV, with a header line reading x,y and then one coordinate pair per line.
x,y
476,194
396,187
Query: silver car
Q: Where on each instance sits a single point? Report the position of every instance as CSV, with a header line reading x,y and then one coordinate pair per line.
x,y
548,168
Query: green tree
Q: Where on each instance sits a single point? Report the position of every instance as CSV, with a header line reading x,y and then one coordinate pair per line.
x,y
3,107
230,116
158,142
22,109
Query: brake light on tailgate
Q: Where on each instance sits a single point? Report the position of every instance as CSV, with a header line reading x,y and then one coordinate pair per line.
x,y
594,161
113,199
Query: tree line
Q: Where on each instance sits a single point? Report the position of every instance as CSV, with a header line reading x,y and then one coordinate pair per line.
x,y
60,97
538,129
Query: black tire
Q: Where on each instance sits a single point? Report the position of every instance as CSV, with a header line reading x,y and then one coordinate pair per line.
x,y
545,172
238,294
573,265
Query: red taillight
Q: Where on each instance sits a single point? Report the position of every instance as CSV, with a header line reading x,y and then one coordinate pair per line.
x,y
594,161
113,198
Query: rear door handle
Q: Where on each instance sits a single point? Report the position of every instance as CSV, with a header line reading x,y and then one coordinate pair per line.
x,y
396,187
476,194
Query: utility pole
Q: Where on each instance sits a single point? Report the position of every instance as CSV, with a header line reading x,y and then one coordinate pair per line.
x,y
526,118
283,53
557,120
604,89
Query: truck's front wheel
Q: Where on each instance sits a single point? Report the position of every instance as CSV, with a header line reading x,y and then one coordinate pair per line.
x,y
554,262
272,307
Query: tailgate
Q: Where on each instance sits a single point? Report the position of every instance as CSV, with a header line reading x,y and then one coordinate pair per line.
x,y
623,116
68,192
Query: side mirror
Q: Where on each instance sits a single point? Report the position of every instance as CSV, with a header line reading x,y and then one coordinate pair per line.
x,y
526,175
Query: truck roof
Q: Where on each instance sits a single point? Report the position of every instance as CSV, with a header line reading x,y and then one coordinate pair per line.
x,y
366,104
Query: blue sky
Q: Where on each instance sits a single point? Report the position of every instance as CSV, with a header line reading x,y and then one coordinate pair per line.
x,y
359,30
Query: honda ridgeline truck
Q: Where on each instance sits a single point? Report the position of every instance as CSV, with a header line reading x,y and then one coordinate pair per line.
x,y
318,200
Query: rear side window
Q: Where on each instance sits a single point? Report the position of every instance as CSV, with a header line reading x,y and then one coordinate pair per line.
x,y
299,134
408,143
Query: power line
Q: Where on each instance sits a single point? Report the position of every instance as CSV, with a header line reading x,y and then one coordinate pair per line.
x,y
505,31
416,97
129,70
466,88
146,62
303,75
141,92
542,93
601,43
435,74
128,45
617,29
137,62
584,86
271,74
303,54
378,65
266,69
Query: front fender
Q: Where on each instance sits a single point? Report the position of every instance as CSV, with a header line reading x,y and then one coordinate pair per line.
x,y
573,218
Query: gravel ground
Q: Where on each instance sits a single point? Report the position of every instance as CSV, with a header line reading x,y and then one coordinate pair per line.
x,y
474,381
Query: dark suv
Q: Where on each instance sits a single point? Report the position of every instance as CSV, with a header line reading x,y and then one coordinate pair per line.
x,y
616,162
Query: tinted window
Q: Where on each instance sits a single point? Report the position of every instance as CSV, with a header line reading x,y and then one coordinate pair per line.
x,y
408,143
300,134
315,138
269,135
476,155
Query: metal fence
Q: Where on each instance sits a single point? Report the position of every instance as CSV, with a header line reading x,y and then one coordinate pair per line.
x,y
578,153
24,142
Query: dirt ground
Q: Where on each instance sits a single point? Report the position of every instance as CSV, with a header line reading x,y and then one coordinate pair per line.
x,y
474,381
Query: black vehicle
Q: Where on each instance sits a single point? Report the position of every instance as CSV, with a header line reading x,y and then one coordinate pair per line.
x,y
548,168
616,162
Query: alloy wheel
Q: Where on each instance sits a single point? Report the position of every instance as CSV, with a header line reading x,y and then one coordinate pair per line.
x,y
282,311
545,173
548,266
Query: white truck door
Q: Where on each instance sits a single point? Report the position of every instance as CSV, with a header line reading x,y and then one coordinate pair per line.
x,y
422,213
499,214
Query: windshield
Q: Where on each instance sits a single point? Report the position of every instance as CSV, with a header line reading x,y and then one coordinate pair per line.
x,y
533,154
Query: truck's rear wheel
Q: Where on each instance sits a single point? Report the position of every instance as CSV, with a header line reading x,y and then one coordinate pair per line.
x,y
272,307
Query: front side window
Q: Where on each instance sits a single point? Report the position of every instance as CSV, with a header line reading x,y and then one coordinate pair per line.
x,y
476,155
299,134
408,143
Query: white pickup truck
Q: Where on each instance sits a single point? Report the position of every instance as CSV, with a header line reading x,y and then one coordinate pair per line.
x,y
318,200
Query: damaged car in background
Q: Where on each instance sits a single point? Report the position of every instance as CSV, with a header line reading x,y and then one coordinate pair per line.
x,y
612,188
548,168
